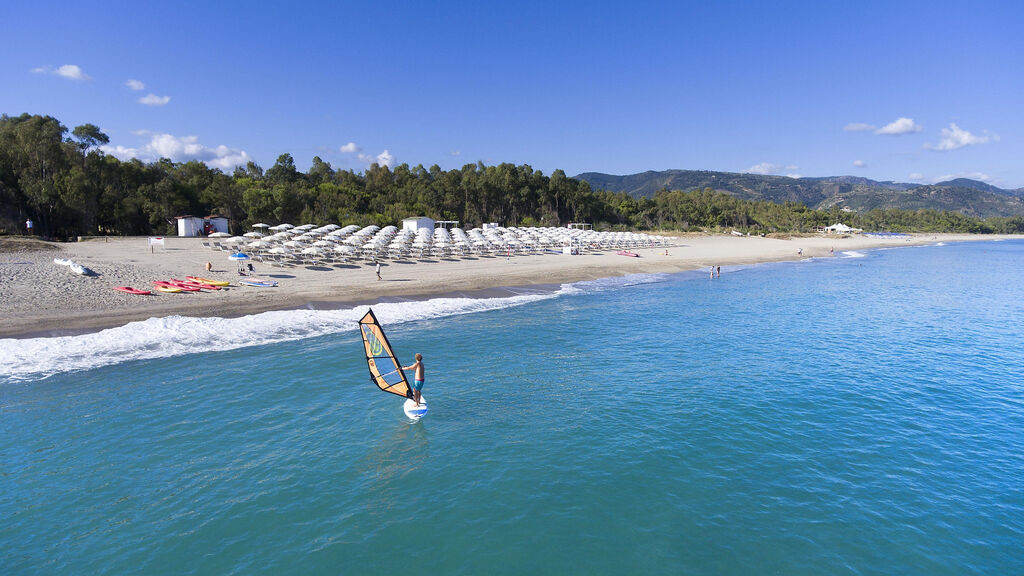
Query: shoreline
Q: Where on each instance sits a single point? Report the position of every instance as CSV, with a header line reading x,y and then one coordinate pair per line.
x,y
42,299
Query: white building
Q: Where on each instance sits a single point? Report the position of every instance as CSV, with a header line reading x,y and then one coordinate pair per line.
x,y
418,222
196,226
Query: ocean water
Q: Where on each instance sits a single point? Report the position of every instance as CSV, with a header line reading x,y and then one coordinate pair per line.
x,y
862,414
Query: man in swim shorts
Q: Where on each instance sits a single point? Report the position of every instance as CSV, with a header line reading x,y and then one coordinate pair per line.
x,y
417,378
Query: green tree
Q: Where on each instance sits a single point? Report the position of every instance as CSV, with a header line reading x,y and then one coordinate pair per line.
x,y
89,136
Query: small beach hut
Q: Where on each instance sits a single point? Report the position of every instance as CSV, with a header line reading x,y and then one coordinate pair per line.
x,y
213,224
418,222
201,226
189,225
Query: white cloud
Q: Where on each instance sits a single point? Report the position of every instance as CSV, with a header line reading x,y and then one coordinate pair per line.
x,y
769,168
955,137
899,126
916,176
860,163
135,85
154,100
858,127
455,153
181,149
383,159
70,71
794,176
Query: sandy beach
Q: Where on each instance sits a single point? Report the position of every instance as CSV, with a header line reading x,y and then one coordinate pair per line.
x,y
41,298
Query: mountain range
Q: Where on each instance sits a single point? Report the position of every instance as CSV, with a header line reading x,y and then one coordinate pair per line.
x,y
969,197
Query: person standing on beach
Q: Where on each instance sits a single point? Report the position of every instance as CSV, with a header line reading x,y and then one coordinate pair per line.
x,y
712,272
378,271
417,386
718,271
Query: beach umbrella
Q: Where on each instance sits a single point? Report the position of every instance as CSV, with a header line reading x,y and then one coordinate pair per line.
x,y
219,235
261,225
253,235
239,257
234,240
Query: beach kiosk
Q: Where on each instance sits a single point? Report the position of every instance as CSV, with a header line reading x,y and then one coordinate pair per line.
x,y
197,226
418,222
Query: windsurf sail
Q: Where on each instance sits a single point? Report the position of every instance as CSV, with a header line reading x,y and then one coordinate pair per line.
x,y
385,371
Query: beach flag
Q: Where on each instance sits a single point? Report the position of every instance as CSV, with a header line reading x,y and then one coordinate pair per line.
x,y
155,241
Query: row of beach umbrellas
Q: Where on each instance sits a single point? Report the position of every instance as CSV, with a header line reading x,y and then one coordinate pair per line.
x,y
310,240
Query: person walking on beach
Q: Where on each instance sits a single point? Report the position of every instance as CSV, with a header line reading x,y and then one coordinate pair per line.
x,y
378,271
417,386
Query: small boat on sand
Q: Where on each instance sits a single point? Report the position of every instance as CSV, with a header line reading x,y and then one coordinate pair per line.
x,y
208,281
181,287
259,282
76,268
130,290
628,253
192,284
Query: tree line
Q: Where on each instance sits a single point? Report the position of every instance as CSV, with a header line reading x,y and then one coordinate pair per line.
x,y
69,187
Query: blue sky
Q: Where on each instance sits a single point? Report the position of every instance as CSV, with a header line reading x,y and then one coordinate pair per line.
x,y
905,91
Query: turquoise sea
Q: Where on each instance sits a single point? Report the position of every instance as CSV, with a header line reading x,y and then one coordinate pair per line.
x,y
862,414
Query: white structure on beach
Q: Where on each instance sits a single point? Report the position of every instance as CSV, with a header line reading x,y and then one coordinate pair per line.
x,y
840,228
418,222
196,226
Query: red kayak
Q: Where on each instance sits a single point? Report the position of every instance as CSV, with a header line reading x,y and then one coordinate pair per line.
x,y
628,253
175,285
199,285
131,290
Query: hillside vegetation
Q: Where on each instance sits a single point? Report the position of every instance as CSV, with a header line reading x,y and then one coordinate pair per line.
x,y
69,187
968,197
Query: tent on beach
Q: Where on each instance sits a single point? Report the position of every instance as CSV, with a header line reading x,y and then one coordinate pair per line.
x,y
840,228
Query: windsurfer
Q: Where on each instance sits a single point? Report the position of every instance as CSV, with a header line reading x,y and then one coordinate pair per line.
x,y
417,386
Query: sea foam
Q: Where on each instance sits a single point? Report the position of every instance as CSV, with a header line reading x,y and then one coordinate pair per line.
x,y
35,358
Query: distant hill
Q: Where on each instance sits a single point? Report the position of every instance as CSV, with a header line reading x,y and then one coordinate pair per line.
x,y
963,195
